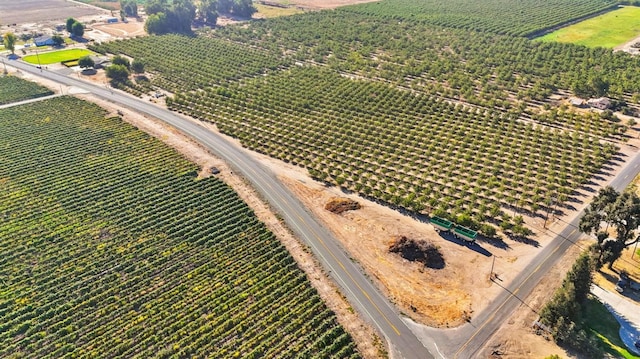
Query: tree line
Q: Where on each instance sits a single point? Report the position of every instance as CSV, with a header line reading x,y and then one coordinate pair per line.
x,y
179,15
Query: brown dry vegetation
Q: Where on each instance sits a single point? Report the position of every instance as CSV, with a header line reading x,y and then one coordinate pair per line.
x,y
339,205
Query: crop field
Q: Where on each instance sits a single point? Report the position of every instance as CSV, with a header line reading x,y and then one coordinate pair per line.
x,y
499,16
191,63
14,89
410,150
609,30
111,248
465,81
47,58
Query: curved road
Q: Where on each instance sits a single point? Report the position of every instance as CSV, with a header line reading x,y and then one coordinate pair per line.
x,y
358,289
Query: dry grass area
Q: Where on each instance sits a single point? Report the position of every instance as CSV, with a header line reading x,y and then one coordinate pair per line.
x,y
629,262
324,4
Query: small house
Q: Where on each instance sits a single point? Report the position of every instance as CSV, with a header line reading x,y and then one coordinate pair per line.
x,y
601,103
100,62
576,102
44,40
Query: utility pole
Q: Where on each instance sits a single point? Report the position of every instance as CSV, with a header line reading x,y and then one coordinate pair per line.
x,y
546,217
38,57
492,265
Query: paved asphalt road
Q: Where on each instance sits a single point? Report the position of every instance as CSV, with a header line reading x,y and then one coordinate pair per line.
x,y
466,341
358,289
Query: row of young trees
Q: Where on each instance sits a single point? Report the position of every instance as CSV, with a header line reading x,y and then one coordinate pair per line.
x,y
565,312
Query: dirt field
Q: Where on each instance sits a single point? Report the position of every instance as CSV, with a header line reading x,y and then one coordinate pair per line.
x,y
325,4
39,11
121,30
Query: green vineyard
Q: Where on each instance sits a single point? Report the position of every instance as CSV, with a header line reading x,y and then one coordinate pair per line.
x,y
409,150
189,63
111,248
14,89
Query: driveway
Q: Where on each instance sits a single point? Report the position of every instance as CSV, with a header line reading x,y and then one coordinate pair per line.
x,y
626,312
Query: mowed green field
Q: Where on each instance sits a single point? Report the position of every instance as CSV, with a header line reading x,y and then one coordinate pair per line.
x,y
53,57
608,30
111,248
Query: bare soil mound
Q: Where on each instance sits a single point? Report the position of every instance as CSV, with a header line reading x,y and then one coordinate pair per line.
x,y
418,251
339,205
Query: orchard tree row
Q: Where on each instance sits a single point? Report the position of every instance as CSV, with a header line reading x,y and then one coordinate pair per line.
x,y
410,150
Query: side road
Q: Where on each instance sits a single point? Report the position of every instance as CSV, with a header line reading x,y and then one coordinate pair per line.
x,y
626,312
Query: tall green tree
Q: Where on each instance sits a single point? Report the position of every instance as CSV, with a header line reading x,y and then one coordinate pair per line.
x,y
58,40
166,18
620,211
156,6
117,73
9,40
137,66
70,22
86,62
121,60
207,11
129,7
77,29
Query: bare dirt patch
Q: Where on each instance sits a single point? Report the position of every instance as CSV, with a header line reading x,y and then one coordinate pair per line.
x,y
122,30
326,4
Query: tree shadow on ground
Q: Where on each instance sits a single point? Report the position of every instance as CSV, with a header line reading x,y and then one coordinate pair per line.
x,y
523,239
474,246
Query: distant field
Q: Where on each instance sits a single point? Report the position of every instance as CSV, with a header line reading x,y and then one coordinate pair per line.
x,y
53,57
608,30
36,11
514,17
273,11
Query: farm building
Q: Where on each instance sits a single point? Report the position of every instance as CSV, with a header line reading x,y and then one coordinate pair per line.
x,y
576,102
43,40
100,61
601,103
